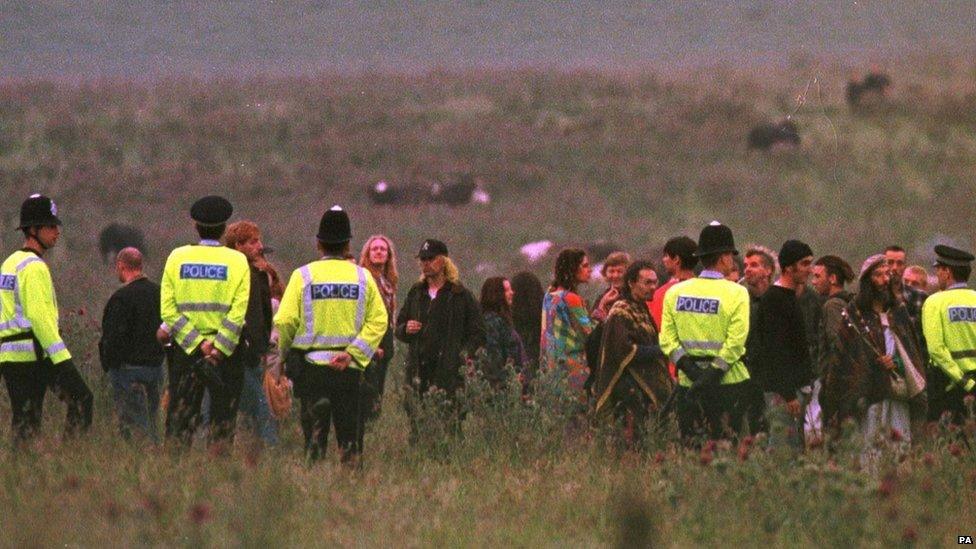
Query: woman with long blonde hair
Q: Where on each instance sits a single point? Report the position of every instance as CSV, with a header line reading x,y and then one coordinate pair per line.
x,y
378,256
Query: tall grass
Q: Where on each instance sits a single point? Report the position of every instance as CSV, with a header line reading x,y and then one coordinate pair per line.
x,y
573,157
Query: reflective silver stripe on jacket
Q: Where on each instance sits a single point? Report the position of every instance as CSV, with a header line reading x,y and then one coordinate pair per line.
x,y
231,327
189,338
203,307
19,320
702,345
56,348
361,302
222,339
364,347
17,347
307,313
179,324
323,357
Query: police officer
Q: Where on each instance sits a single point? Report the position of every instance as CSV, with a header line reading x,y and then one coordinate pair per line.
x,y
203,299
704,327
949,325
330,322
33,356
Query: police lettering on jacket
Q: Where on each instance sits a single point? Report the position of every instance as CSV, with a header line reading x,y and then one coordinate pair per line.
x,y
8,282
335,291
962,314
203,271
702,305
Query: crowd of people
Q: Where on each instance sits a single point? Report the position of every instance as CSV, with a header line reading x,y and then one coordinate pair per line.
x,y
787,344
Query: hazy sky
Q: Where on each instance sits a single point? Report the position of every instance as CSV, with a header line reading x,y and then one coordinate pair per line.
x,y
145,38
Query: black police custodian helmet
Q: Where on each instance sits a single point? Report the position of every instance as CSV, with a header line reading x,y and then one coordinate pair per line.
x,y
38,211
715,239
211,211
334,227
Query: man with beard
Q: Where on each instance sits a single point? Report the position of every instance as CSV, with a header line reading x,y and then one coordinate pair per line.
x,y
782,366
875,373
913,298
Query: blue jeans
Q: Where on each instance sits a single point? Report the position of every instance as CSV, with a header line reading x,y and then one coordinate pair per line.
x,y
255,407
136,393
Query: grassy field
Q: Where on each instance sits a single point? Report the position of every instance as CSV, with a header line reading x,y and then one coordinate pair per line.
x,y
571,156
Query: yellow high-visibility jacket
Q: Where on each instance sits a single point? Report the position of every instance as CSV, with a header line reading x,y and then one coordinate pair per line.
x,y
331,305
28,305
707,316
949,325
204,295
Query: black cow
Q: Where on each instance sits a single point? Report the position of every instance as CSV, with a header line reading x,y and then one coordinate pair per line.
x,y
453,194
386,193
766,135
870,91
117,236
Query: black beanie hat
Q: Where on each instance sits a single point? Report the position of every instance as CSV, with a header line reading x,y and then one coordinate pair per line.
x,y
792,252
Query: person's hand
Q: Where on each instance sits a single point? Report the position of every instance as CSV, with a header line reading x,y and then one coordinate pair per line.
x,y
794,408
413,326
608,298
379,353
206,348
886,362
162,336
341,361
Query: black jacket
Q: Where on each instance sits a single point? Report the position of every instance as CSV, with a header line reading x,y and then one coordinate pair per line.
x,y
783,363
257,319
129,325
452,324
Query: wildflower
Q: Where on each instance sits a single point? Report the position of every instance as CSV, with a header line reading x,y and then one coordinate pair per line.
x,y
81,312
926,486
955,449
896,435
706,456
200,513
112,510
968,400
659,457
72,482
928,459
909,534
887,485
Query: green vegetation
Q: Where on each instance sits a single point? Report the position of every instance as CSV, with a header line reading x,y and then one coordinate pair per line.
x,y
573,157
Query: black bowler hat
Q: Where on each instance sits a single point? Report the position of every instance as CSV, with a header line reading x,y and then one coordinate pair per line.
x,y
211,211
431,249
38,211
952,257
334,227
715,238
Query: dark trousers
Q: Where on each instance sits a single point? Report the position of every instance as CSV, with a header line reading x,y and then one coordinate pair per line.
x,y
374,381
715,412
28,382
329,397
135,390
188,379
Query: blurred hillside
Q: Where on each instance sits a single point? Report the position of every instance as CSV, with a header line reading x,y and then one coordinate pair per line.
x,y
574,157
148,38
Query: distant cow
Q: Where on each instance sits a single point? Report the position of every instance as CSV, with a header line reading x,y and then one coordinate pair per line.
x,y
117,236
870,91
385,193
453,194
767,135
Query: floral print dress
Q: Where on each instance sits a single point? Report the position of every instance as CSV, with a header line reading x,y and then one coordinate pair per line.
x,y
565,326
